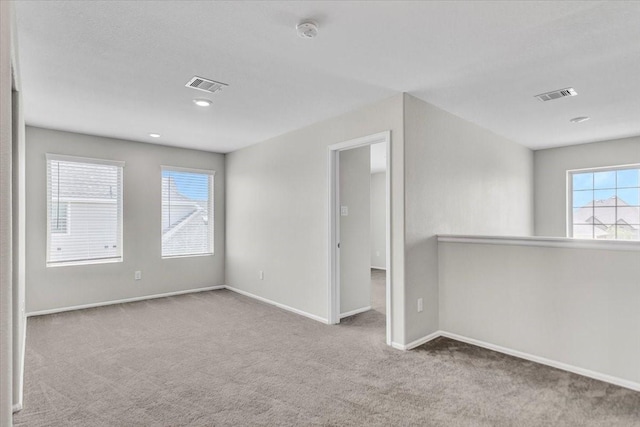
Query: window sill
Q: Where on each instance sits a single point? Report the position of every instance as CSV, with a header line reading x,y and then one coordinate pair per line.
x,y
187,256
87,262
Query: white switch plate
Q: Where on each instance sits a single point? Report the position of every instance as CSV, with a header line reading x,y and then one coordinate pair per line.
x,y
420,305
261,274
138,275
344,210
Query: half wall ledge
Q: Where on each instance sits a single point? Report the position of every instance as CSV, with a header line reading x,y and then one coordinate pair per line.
x,y
548,242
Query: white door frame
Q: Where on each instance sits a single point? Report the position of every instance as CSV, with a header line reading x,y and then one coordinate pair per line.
x,y
333,163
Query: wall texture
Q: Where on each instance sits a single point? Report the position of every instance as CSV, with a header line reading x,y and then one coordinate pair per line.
x,y
551,168
378,220
355,271
277,211
6,279
462,179
59,287
575,306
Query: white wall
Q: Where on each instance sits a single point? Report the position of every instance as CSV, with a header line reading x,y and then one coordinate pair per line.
x,y
355,271
551,167
65,286
6,279
277,211
575,306
459,178
378,220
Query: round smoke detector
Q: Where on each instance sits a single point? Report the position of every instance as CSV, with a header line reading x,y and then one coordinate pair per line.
x,y
307,29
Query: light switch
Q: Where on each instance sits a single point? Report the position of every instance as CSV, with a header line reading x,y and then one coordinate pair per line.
x,y
344,210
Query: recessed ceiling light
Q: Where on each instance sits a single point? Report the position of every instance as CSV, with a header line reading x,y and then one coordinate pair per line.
x,y
579,119
202,102
307,29
154,135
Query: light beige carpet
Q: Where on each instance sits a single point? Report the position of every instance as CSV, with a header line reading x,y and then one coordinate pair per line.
x,y
378,291
220,359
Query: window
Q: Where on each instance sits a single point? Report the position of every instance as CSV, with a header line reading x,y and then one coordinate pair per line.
x,y
187,212
605,203
84,210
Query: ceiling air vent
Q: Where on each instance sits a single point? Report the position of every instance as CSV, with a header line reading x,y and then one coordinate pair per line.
x,y
556,94
205,85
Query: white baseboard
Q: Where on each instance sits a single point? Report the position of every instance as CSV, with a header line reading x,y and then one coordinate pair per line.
x,y
417,342
522,355
356,311
378,268
120,301
18,405
169,294
277,304
544,361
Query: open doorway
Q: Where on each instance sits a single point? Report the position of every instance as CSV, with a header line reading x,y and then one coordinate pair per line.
x,y
378,227
359,229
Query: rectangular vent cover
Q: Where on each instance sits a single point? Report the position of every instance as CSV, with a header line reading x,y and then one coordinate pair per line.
x,y
556,94
205,85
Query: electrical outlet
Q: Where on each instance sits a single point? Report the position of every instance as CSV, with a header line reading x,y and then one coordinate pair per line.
x,y
420,305
138,275
261,275
377,253
344,210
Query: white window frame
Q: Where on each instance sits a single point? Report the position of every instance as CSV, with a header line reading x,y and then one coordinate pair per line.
x,y
570,174
65,158
210,207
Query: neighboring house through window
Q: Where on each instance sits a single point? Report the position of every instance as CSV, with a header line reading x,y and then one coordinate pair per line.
x,y
84,210
605,203
187,212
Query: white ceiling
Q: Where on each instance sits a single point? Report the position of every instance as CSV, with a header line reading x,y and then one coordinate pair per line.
x,y
118,68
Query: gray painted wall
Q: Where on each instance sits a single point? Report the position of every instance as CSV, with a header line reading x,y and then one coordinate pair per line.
x,y
355,271
19,222
277,211
66,286
6,279
575,306
459,179
378,220
551,167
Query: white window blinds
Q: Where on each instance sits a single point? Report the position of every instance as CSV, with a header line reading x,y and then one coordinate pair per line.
x,y
84,210
187,212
